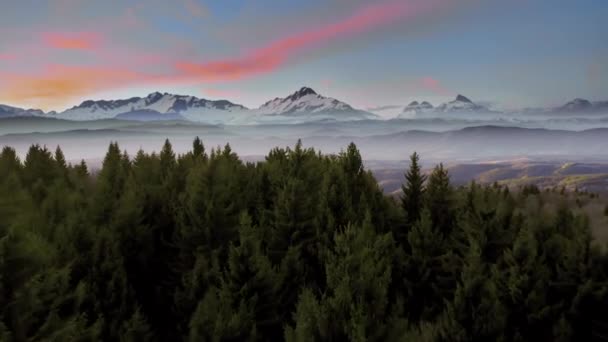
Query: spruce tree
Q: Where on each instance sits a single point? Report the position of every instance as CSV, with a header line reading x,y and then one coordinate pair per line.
x,y
412,196
244,305
423,268
439,200
358,306
475,313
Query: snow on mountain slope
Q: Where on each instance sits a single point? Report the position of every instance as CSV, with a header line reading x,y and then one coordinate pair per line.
x,y
579,105
460,104
189,107
8,111
576,105
415,109
306,105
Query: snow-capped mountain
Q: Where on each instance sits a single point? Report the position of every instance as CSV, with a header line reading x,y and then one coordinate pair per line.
x,y
576,105
579,105
154,106
460,105
415,109
306,105
8,111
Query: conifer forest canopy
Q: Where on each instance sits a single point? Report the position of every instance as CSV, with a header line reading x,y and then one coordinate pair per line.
x,y
301,246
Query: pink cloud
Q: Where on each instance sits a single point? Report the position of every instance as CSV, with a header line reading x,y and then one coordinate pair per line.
x,y
7,56
56,85
433,85
274,55
72,41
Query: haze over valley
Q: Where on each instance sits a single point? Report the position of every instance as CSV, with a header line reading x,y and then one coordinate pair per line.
x,y
459,132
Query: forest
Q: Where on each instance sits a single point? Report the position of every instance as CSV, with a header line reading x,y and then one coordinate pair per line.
x,y
299,247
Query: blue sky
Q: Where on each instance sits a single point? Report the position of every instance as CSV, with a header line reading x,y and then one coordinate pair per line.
x,y
388,52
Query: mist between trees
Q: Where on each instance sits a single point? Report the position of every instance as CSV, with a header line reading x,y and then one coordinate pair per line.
x,y
299,247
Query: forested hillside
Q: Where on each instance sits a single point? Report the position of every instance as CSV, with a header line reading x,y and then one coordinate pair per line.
x,y
300,247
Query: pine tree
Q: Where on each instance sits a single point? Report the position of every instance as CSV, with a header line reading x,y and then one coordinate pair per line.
x,y
110,183
359,306
167,160
311,320
198,149
60,158
82,171
412,197
136,329
439,200
423,269
476,313
39,167
244,306
9,162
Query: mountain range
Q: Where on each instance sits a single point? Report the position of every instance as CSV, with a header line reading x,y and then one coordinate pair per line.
x,y
304,105
301,106
8,111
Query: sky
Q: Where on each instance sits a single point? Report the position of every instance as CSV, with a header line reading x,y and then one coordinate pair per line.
x,y
377,54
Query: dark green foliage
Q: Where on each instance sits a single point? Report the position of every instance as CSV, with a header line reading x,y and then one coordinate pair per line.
x,y
532,189
413,191
299,247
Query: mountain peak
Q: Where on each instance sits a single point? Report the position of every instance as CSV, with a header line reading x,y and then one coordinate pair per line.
x,y
155,96
578,104
580,101
305,91
152,107
306,105
462,98
416,108
461,104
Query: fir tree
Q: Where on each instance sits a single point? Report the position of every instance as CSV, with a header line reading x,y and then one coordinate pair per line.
x,y
412,197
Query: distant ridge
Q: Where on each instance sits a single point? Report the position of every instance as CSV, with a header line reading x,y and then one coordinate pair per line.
x,y
303,105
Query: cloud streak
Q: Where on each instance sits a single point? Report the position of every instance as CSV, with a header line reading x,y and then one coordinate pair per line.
x,y
56,85
72,41
274,55
434,86
7,56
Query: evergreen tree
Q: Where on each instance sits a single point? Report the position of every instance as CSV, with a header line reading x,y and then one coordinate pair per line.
x,y
358,305
110,183
412,197
243,307
136,329
198,150
424,297
439,200
476,313
60,159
